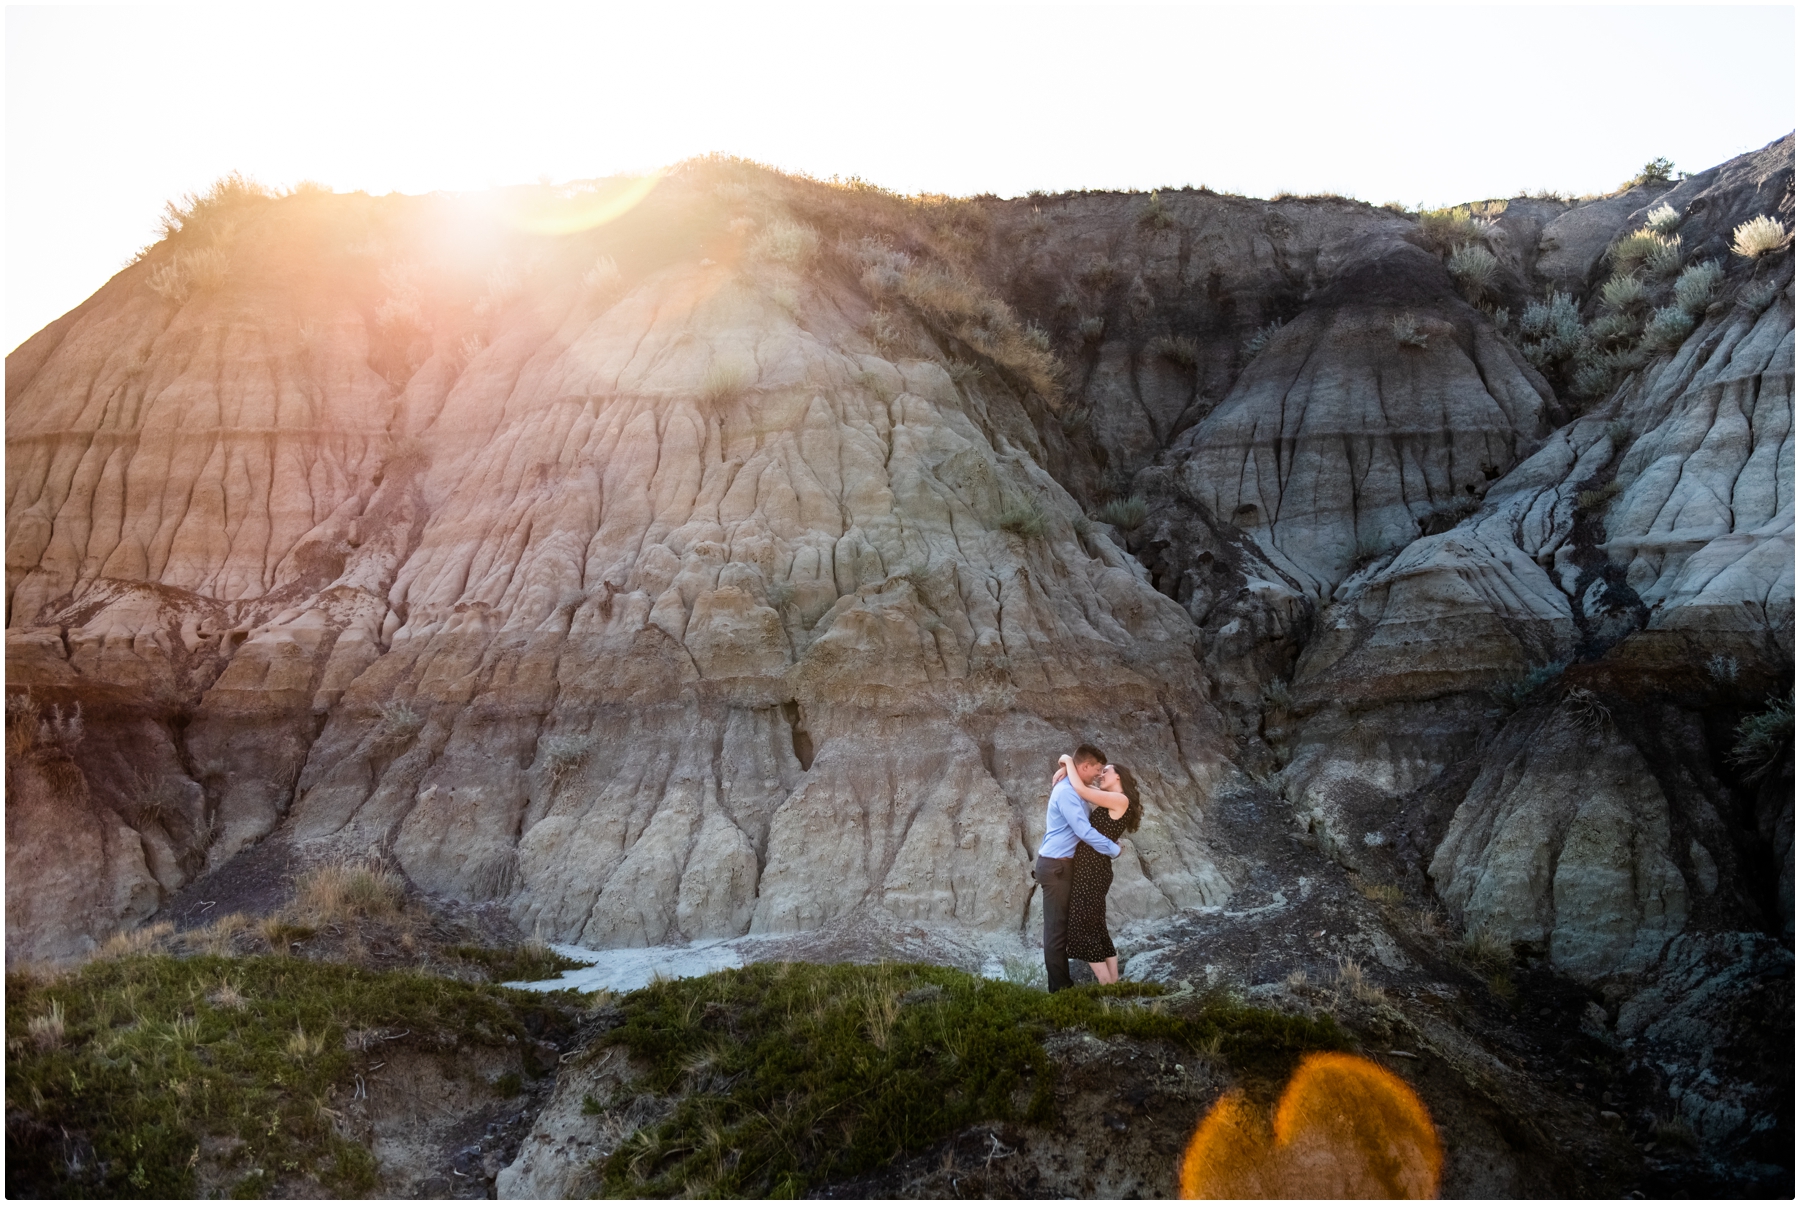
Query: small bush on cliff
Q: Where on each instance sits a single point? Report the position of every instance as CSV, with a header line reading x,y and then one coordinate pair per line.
x,y
1662,220
1444,229
1475,269
1255,343
1668,328
1757,237
1624,292
1025,518
1658,171
788,1075
1124,512
1765,741
335,893
1694,291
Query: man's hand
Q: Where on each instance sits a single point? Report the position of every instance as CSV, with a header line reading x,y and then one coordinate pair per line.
x,y
1062,772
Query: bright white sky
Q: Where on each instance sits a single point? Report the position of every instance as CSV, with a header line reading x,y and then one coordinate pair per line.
x,y
110,112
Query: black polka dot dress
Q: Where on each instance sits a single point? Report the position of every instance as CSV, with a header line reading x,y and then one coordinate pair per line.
x,y
1088,939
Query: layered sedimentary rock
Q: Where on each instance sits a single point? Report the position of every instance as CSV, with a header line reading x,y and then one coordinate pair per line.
x,y
739,565
661,608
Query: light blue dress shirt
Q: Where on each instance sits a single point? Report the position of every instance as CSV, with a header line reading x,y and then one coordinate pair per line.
x,y
1066,822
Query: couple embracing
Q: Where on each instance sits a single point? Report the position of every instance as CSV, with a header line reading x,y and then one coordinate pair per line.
x,y
1092,805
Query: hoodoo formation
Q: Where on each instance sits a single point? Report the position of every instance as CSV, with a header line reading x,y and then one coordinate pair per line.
x,y
733,556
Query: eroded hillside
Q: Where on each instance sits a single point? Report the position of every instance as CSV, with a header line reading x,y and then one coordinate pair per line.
x,y
732,558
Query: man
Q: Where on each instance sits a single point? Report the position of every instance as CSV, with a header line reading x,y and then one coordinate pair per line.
x,y
1066,823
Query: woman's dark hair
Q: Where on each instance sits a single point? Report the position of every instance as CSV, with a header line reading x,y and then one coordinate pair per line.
x,y
1134,811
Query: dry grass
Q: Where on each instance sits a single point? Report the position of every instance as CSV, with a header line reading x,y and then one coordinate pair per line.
x,y
1662,220
784,242
1757,237
1349,978
132,942
333,894
1487,948
724,380
1381,893
1407,332
1635,249
46,1029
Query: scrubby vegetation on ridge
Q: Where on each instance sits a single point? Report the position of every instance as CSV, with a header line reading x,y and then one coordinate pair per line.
x,y
119,1073
784,1076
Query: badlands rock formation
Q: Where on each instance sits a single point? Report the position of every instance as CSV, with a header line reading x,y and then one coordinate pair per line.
x,y
733,557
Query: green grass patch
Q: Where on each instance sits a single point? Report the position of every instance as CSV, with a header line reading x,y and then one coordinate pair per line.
x,y
790,1075
143,1056
525,963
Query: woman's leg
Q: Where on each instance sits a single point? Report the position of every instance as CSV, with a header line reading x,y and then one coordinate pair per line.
x,y
1112,968
1100,972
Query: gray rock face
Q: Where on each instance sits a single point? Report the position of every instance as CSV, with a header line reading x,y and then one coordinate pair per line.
x,y
1564,844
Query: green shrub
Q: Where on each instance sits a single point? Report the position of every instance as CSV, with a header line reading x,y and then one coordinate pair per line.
x,y
1696,286
1631,252
1124,512
1552,331
1614,326
1024,517
1445,229
1668,328
1765,739
786,1076
1624,292
1406,331
1474,268
1662,220
1757,237
1091,329
1665,260
1658,171
527,962
1154,215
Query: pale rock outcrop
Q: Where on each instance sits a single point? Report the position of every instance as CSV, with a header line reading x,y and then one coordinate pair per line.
x,y
1563,842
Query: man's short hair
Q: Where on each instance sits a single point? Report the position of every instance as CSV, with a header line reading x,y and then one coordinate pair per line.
x,y
1087,753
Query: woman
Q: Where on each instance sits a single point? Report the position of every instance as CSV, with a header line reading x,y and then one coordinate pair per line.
x,y
1117,811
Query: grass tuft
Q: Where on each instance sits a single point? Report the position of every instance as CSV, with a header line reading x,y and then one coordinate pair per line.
x,y
1757,237
333,894
1125,513
1765,740
1025,518
1487,949
1254,345
1662,220
723,381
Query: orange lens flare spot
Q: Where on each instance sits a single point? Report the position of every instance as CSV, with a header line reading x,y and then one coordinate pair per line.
x,y
1344,1128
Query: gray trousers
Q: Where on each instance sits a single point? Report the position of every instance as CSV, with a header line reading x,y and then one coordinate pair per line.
x,y
1057,878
